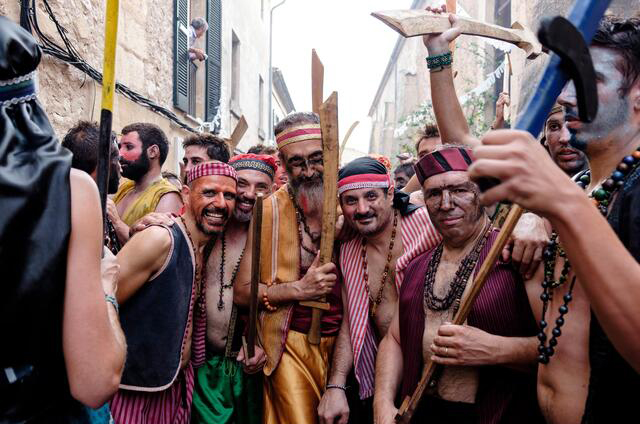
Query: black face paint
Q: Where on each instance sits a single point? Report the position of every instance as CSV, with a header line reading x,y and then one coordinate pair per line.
x,y
575,142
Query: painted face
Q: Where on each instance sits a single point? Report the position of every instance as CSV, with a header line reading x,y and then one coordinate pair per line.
x,y
114,170
452,201
250,184
428,145
569,159
368,210
281,177
133,157
400,179
613,109
194,155
303,162
211,201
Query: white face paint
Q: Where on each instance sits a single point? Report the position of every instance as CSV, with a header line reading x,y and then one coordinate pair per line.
x,y
613,108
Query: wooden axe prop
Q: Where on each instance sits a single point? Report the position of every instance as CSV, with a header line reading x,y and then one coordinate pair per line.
x,y
256,231
571,61
328,112
411,23
238,133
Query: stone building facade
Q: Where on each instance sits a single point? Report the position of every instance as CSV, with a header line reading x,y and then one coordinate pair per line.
x,y
405,83
145,63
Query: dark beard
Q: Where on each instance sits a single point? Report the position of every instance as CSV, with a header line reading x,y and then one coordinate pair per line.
x,y
201,218
242,216
114,180
308,192
137,169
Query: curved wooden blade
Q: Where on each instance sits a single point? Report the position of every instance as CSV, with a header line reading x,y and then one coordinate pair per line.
x,y
346,137
411,23
317,82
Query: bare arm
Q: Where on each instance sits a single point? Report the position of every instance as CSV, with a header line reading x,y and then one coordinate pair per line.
x,y
333,405
389,367
92,339
318,281
140,258
171,203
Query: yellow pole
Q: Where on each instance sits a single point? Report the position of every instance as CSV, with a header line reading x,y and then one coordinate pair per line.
x,y
108,89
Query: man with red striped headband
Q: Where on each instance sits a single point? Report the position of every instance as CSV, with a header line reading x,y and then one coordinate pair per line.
x,y
163,310
295,371
476,384
228,386
372,265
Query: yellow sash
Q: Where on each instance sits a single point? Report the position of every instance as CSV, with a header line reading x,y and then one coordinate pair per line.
x,y
146,201
280,262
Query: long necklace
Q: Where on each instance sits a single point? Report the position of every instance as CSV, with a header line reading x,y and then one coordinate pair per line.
x,y
602,199
374,303
300,219
224,286
459,283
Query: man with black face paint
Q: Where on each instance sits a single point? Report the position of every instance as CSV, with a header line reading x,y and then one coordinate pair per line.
x,y
557,139
143,150
599,230
480,382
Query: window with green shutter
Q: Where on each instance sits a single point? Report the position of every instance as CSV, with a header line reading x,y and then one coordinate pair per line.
x,y
181,55
214,51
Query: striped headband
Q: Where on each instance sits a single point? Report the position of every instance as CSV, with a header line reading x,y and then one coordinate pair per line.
x,y
299,133
441,161
262,163
364,181
211,169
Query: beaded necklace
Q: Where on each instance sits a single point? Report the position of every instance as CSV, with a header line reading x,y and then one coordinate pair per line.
x,y
602,199
224,286
374,303
459,283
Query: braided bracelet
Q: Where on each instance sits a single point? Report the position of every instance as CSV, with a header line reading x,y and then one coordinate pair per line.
x,y
439,62
336,386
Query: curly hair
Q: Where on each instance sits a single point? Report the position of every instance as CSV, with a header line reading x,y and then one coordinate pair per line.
x,y
430,131
150,134
217,148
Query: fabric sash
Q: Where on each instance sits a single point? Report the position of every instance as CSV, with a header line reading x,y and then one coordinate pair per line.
x,y
280,263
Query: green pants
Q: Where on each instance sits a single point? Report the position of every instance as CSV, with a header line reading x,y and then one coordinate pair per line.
x,y
224,394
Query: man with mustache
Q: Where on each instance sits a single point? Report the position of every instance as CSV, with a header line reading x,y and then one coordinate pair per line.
x,y
598,245
163,309
227,388
556,138
480,382
82,140
143,150
295,370
387,226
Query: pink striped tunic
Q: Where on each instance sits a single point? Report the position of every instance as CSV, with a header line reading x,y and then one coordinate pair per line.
x,y
418,236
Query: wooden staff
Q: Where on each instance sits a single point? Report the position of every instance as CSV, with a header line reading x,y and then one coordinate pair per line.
x,y
330,150
410,403
346,137
317,82
256,232
108,91
238,133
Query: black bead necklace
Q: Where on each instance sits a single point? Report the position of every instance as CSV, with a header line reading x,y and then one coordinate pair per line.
x,y
602,198
224,286
459,283
551,252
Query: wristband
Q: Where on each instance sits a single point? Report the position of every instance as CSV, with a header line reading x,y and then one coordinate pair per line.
x,y
439,62
336,386
113,301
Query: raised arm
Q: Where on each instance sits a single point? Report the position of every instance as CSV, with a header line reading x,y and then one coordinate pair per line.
x,y
452,123
93,343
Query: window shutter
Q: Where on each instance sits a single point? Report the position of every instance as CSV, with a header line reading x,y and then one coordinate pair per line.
x,y
181,55
214,51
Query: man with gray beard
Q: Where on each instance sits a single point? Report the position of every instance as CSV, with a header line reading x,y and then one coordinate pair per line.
x,y
295,370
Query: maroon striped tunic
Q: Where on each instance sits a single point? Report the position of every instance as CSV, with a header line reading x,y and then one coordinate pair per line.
x,y
502,308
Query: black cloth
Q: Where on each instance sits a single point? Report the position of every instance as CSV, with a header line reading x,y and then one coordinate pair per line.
x,y
35,223
435,410
156,318
614,386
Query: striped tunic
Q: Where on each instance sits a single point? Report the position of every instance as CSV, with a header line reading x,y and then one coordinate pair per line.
x,y
418,235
